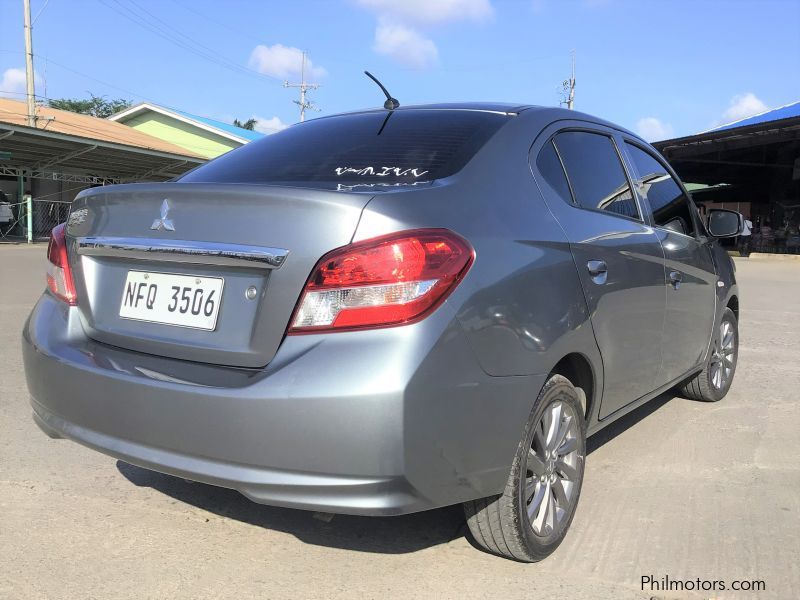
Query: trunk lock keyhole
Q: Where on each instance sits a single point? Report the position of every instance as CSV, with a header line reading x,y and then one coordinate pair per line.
x,y
251,292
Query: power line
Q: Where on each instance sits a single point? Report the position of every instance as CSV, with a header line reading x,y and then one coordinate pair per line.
x,y
125,141
304,87
41,10
85,75
100,81
72,189
190,40
152,23
87,128
167,32
112,86
129,14
107,84
216,22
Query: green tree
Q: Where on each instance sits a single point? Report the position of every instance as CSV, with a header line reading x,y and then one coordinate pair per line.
x,y
249,124
96,106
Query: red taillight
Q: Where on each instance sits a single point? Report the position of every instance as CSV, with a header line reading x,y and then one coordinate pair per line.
x,y
390,280
59,273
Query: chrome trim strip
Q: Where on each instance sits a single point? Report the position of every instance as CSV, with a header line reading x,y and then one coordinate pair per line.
x,y
183,251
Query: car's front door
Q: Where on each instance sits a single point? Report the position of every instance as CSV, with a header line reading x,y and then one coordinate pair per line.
x,y
618,255
691,276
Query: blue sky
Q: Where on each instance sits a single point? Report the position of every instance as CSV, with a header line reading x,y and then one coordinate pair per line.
x,y
662,68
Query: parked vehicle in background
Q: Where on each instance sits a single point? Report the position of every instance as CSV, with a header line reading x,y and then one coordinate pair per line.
x,y
6,213
388,311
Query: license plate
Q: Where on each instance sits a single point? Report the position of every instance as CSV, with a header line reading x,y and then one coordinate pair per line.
x,y
181,300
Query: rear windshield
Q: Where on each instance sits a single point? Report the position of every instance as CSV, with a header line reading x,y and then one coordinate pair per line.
x,y
365,149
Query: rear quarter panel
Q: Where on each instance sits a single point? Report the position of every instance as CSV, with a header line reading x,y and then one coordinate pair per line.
x,y
521,303
517,312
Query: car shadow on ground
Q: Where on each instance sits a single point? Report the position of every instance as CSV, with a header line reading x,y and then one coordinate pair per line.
x,y
385,535
621,425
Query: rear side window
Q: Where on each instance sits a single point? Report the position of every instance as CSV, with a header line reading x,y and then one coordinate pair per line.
x,y
595,173
369,149
670,206
549,165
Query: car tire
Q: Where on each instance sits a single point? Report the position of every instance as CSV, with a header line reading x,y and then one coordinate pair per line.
x,y
530,518
713,382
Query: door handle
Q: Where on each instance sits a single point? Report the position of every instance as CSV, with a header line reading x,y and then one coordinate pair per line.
x,y
598,271
675,278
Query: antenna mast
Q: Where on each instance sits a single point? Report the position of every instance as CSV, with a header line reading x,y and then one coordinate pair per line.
x,y
303,103
569,86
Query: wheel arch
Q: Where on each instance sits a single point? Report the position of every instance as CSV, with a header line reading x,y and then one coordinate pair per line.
x,y
578,369
733,304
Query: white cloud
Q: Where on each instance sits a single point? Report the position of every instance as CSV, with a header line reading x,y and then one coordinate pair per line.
x,y
272,125
653,129
430,11
397,34
282,61
405,45
743,106
13,82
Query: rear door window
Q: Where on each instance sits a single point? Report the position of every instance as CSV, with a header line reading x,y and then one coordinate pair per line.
x,y
363,149
671,207
595,173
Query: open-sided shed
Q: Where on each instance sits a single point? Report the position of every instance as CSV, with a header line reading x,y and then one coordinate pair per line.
x,y
752,165
67,152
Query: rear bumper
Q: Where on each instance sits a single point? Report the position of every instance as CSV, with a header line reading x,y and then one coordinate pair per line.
x,y
328,493
377,423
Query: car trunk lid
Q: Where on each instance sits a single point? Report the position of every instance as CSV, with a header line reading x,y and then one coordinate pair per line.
x,y
261,241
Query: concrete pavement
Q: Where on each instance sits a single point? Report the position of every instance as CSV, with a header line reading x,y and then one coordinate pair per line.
x,y
678,488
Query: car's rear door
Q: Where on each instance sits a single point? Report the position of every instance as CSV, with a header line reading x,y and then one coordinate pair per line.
x,y
618,255
691,276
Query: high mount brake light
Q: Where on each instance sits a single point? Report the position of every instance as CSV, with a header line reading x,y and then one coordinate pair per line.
x,y
389,280
59,273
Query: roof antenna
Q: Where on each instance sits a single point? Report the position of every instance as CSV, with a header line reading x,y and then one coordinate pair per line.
x,y
391,103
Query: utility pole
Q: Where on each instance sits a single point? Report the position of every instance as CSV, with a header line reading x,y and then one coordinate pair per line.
x,y
304,87
26,9
569,86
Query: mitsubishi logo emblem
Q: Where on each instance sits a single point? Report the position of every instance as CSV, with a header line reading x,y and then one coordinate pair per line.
x,y
164,222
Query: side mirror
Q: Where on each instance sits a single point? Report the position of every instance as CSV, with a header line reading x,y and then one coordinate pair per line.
x,y
724,223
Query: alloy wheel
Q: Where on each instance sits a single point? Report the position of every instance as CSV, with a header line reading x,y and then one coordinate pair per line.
x,y
723,357
553,469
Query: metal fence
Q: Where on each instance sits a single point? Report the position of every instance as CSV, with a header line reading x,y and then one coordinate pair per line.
x,y
12,217
31,220
46,215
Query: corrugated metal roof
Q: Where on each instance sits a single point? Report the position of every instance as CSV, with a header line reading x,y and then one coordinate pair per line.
x,y
14,112
226,130
232,129
776,114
